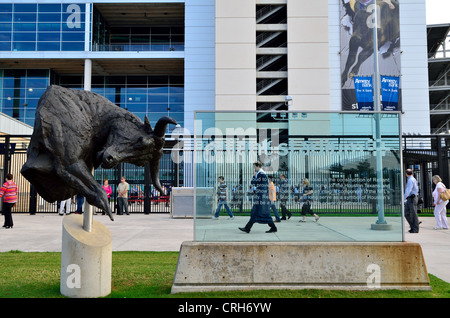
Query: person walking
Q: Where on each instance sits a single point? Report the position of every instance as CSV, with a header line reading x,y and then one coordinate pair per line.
x,y
80,202
307,200
66,204
273,199
284,197
411,198
9,193
108,191
222,199
440,206
261,205
122,196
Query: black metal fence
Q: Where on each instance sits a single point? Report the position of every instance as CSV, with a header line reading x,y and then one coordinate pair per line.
x,y
426,155
142,198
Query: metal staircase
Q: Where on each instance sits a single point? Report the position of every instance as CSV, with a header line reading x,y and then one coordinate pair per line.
x,y
267,11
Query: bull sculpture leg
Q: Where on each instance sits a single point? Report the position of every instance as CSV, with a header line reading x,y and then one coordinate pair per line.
x,y
80,175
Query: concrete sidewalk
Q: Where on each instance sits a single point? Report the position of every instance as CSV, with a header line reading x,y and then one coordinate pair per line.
x,y
160,232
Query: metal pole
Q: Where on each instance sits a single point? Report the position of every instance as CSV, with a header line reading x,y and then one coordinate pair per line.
x,y
88,217
377,107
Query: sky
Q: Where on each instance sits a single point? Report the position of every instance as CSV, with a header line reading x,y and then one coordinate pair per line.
x,y
438,11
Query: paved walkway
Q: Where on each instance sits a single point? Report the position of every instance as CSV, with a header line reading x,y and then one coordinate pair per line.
x,y
160,232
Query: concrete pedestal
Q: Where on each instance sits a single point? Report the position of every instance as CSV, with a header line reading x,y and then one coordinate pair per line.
x,y
297,265
86,259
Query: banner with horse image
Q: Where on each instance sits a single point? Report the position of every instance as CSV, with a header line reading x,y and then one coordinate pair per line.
x,y
357,60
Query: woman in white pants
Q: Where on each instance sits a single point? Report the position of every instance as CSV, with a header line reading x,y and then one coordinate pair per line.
x,y
67,204
440,210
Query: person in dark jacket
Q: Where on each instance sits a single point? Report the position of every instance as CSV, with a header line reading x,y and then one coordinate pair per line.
x,y
284,197
261,204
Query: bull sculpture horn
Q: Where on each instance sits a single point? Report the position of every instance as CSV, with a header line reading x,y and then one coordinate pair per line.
x,y
160,127
148,126
154,174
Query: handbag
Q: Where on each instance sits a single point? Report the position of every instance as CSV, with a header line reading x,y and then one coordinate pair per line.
x,y
445,196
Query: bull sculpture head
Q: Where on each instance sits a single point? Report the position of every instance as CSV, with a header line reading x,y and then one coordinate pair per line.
x,y
146,146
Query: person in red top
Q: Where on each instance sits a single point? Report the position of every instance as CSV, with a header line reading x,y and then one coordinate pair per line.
x,y
108,190
9,194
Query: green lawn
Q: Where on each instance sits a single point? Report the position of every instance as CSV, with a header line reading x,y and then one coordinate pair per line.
x,y
150,275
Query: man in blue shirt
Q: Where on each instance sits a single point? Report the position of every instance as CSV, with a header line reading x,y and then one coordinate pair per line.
x,y
411,197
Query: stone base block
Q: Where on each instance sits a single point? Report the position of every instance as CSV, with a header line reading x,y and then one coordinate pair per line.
x,y
220,266
86,259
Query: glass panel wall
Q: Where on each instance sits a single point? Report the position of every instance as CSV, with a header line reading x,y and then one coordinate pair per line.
x,y
42,27
154,96
331,178
20,91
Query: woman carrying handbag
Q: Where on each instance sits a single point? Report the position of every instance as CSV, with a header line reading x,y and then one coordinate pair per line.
x,y
440,204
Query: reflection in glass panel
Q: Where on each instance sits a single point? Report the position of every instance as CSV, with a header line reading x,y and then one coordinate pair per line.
x,y
355,181
5,46
28,7
158,107
5,7
72,46
49,17
73,36
24,17
24,36
55,27
31,27
21,92
49,36
5,17
47,7
24,46
5,37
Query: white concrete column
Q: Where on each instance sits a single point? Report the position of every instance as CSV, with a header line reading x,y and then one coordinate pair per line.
x,y
87,74
86,259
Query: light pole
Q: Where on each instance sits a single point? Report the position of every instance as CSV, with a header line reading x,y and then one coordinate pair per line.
x,y
381,223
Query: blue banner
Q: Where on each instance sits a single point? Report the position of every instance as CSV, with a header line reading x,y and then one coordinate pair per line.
x,y
389,92
364,92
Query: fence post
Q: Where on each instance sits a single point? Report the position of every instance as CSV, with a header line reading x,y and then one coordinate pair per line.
x,y
147,189
33,200
6,157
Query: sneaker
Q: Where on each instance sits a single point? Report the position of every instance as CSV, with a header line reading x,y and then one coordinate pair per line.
x,y
215,217
317,218
231,218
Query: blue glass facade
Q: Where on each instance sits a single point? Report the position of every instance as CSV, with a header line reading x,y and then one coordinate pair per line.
x,y
42,27
154,96
61,26
20,91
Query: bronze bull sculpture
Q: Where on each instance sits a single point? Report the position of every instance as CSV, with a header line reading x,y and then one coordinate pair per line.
x,y
76,131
